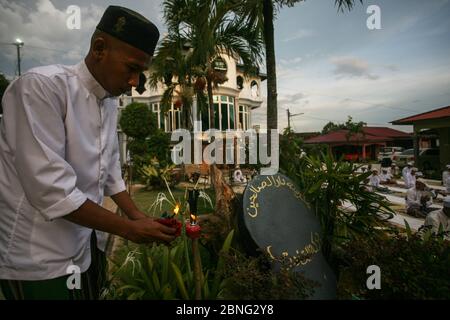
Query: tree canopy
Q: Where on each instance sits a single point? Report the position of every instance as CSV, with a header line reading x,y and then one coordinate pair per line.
x,y
353,127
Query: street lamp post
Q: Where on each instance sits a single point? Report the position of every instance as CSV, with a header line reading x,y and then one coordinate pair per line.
x,y
19,44
290,115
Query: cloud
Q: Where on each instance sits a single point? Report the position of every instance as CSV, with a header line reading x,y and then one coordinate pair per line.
x,y
43,28
300,34
352,67
288,100
290,62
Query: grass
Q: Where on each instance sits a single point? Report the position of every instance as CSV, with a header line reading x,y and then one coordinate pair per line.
x,y
145,198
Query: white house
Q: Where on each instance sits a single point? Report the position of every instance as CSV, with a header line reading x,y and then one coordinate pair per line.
x,y
234,100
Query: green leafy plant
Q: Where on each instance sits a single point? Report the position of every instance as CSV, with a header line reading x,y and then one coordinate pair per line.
x,y
337,194
155,174
137,121
255,278
162,272
413,266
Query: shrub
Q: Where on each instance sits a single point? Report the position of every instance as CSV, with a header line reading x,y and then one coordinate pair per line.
x,y
411,267
160,272
254,278
159,147
137,121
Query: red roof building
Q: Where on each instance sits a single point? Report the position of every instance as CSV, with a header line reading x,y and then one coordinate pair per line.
x,y
434,124
364,145
440,114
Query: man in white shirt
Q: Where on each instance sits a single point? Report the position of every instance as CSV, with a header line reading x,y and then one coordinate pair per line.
x,y
446,178
59,158
411,178
406,171
440,219
418,201
393,170
386,177
374,179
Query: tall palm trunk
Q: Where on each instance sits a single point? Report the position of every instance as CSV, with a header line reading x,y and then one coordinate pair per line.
x,y
272,111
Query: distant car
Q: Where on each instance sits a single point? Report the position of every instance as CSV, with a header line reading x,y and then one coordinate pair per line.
x,y
387,155
403,158
429,159
353,157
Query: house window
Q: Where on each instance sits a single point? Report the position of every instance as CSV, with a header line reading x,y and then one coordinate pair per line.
x,y
244,117
224,115
254,89
220,65
168,121
159,115
240,82
173,119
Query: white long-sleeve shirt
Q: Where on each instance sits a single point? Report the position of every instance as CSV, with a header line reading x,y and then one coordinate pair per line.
x,y
413,197
436,218
374,180
410,180
446,179
405,172
58,147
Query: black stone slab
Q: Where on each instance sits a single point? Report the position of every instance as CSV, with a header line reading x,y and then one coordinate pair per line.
x,y
278,221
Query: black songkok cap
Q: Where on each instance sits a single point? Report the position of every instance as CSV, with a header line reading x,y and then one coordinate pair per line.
x,y
130,27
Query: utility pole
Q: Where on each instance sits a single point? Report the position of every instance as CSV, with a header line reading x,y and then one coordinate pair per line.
x,y
290,115
19,44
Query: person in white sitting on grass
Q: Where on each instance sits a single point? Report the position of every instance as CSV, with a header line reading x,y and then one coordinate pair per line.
x,y
407,170
446,178
386,177
418,201
440,219
411,178
239,177
375,181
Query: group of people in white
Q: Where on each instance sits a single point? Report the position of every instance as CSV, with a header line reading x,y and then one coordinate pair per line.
x,y
419,197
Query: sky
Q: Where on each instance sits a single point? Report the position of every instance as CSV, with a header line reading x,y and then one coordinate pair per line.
x,y
330,65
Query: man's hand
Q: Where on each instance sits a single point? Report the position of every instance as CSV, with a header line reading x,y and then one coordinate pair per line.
x,y
149,230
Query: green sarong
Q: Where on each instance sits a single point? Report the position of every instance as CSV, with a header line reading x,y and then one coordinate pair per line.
x,y
92,281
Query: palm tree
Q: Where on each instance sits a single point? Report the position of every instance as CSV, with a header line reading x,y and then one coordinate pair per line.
x,y
172,66
212,28
261,14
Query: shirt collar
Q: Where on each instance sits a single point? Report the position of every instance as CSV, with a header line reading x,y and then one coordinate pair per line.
x,y
90,83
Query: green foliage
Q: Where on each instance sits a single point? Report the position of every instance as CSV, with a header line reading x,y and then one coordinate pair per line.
x,y
290,148
159,147
253,278
155,173
137,147
160,272
352,127
137,121
336,192
412,267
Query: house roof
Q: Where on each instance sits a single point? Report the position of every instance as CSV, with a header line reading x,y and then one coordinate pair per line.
x,y
371,135
433,114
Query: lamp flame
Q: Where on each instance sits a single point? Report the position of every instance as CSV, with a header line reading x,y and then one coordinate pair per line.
x,y
177,208
193,219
